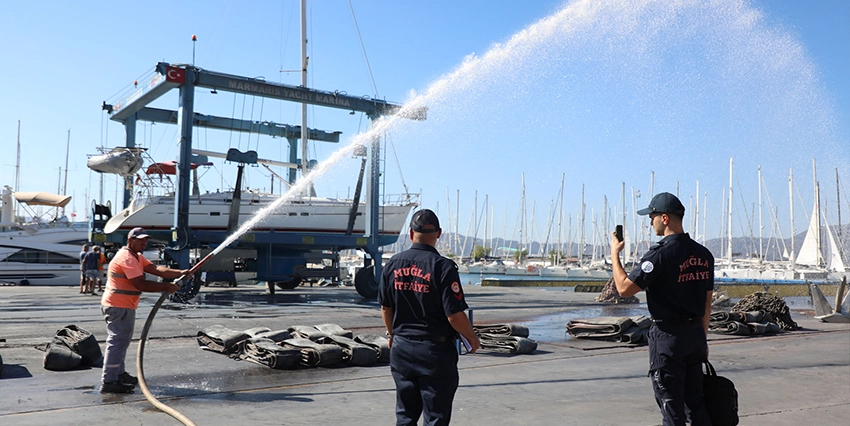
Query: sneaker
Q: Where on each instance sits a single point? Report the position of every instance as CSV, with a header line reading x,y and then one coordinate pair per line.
x,y
116,387
127,379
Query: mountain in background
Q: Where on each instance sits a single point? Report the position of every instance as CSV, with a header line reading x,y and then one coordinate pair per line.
x,y
775,249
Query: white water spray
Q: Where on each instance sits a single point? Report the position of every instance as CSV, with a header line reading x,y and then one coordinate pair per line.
x,y
701,81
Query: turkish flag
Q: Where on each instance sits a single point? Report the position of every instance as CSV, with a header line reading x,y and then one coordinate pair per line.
x,y
175,75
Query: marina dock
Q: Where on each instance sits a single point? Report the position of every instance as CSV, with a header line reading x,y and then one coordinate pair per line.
x,y
791,378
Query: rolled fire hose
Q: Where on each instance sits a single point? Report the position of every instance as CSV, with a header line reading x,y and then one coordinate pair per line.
x,y
140,370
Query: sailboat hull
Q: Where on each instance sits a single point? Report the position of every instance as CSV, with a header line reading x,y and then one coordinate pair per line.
x,y
212,211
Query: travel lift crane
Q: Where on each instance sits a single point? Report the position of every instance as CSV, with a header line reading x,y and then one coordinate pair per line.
x,y
278,254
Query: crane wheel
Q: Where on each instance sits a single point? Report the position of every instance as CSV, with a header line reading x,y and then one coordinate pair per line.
x,y
288,285
365,282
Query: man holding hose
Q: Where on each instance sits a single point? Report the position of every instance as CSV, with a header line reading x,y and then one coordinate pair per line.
x,y
124,286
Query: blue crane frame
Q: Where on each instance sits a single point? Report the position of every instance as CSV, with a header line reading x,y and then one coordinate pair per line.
x,y
277,253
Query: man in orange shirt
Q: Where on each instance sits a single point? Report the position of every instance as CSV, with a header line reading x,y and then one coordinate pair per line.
x,y
124,286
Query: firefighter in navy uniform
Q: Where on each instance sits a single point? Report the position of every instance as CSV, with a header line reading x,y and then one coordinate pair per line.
x,y
422,305
678,276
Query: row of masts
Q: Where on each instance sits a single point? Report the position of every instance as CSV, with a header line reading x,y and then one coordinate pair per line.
x,y
637,236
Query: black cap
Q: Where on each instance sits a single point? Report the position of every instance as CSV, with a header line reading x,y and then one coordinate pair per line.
x,y
421,220
664,202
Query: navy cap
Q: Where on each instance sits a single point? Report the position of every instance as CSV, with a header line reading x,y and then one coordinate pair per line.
x,y
137,233
664,202
421,220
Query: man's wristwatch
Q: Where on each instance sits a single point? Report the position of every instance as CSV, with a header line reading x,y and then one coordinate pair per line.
x,y
389,335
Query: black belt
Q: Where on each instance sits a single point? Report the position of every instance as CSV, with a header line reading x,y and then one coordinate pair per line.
x,y
438,339
675,320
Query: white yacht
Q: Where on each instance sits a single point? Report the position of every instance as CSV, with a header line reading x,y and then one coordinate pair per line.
x,y
39,252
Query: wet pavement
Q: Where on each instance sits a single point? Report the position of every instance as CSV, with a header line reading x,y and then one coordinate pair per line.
x,y
792,378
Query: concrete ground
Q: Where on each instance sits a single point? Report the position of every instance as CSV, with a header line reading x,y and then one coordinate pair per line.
x,y
793,378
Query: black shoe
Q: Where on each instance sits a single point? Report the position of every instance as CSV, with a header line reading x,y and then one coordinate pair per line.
x,y
127,379
116,387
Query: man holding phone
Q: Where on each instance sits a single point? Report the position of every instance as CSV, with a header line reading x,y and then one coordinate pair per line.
x,y
678,276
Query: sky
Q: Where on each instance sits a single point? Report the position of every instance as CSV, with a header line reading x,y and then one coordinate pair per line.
x,y
621,100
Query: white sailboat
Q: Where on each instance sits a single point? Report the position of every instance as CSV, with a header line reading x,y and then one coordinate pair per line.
x,y
820,251
211,212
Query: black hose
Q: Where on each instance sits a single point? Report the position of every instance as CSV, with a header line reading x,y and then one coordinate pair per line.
x,y
141,371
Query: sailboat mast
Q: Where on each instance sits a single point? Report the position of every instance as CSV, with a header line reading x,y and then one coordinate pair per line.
x,y
475,221
817,211
761,225
457,225
791,204
729,224
838,197
581,231
305,132
623,207
560,220
450,217
18,168
486,220
67,151
820,259
521,218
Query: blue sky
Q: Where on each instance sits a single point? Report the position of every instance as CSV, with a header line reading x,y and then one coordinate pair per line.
x,y
608,94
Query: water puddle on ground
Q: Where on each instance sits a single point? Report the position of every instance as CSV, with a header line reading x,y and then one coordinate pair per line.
x,y
225,299
553,328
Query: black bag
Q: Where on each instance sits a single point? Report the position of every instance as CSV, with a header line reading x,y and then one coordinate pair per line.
x,y
720,398
82,342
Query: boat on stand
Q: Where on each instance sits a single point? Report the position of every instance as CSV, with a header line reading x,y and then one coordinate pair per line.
x,y
152,208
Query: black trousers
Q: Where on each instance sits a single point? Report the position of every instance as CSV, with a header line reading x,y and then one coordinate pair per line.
x,y
676,354
426,380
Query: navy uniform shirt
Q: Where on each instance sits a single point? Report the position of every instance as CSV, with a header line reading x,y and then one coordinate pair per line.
x,y
422,288
676,274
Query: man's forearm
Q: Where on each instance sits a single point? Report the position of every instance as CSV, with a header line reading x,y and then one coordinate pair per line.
x,y
460,322
387,316
709,297
168,273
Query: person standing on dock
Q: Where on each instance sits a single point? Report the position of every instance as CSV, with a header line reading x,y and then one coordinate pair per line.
x,y
422,305
90,261
678,276
124,285
83,268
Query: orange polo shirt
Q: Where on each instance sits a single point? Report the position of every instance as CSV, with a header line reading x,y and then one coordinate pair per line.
x,y
123,268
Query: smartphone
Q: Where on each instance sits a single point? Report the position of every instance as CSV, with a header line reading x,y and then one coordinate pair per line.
x,y
618,232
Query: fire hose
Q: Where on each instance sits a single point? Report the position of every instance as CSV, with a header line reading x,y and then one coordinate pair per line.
x,y
140,371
